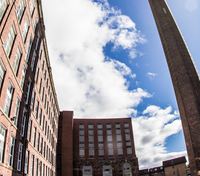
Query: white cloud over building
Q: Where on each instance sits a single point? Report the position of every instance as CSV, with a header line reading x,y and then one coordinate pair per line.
x,y
93,85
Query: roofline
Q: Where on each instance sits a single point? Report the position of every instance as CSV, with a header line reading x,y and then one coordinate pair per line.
x,y
47,54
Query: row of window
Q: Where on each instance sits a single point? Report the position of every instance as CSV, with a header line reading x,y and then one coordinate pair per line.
x,y
40,144
107,126
107,170
100,138
19,155
40,117
46,94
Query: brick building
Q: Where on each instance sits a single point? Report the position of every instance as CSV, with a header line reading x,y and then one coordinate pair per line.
x,y
173,167
100,147
156,171
28,105
185,79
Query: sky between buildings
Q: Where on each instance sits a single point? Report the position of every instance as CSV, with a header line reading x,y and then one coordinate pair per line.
x,y
108,61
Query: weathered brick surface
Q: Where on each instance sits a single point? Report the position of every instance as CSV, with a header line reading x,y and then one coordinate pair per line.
x,y
50,110
184,77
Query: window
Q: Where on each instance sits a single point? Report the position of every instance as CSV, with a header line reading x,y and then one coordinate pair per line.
x,y
128,143
37,164
29,49
38,142
109,138
11,154
19,160
33,100
127,131
37,109
17,60
20,10
23,77
25,30
119,148
99,126
127,136
29,130
9,41
28,92
91,132
126,125
110,149
91,138
90,126
26,162
16,111
100,138
129,150
81,152
23,122
117,126
119,137
81,141
33,61
87,170
40,120
81,132
100,132
35,134
164,10
2,142
108,126
32,165
8,100
127,170
81,126
41,146
3,6
101,149
107,170
2,74
109,132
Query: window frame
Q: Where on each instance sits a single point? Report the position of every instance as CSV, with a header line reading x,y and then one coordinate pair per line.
x,y
4,10
11,152
4,74
2,156
19,157
11,36
11,99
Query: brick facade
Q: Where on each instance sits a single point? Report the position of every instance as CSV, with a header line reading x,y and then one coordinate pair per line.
x,y
184,77
28,100
98,144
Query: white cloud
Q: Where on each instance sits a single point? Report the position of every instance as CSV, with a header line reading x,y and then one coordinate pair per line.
x,y
151,75
93,85
86,81
151,131
191,5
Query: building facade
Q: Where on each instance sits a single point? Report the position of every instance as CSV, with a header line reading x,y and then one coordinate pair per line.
x,y
101,147
28,102
184,77
175,167
156,171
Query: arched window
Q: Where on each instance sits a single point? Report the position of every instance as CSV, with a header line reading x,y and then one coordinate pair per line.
x,y
127,170
87,170
107,170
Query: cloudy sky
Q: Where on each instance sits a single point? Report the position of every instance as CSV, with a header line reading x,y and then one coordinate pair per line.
x,y
108,61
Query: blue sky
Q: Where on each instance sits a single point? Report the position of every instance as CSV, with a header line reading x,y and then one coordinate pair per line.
x,y
153,59
107,61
